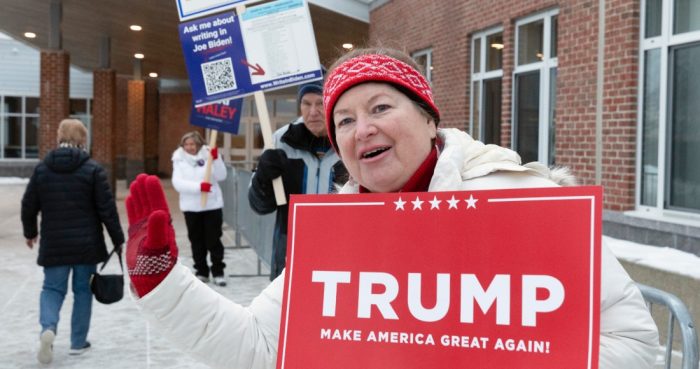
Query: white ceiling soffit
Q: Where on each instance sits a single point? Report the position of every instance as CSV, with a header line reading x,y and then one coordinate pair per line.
x,y
358,9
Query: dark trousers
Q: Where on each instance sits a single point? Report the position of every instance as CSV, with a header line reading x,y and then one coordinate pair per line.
x,y
204,232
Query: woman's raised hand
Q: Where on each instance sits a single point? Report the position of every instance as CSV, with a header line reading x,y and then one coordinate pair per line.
x,y
151,251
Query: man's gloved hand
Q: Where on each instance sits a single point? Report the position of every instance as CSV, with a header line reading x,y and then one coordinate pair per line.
x,y
151,251
214,153
272,164
205,187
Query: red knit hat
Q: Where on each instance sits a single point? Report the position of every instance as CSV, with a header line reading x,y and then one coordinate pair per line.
x,y
374,68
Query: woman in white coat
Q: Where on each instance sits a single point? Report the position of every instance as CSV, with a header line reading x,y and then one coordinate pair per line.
x,y
203,222
382,120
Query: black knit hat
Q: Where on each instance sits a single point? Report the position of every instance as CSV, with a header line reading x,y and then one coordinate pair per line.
x,y
315,87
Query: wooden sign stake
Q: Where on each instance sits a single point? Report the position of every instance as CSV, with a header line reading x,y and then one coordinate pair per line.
x,y
266,129
210,162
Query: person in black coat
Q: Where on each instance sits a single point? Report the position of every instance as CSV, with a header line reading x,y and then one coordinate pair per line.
x,y
303,158
72,193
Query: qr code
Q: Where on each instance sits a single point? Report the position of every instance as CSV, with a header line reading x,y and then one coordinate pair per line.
x,y
218,76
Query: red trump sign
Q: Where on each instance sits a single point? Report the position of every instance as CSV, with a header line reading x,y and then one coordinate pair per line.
x,y
480,279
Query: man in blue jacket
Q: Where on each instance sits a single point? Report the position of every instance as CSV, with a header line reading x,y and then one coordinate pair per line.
x,y
303,157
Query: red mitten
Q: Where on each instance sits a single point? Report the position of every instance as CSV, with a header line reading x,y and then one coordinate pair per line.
x,y
151,251
205,187
214,153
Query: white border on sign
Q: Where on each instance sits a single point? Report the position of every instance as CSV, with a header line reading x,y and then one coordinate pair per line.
x,y
290,267
206,7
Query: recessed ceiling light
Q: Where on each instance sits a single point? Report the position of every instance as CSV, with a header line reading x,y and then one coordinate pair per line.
x,y
29,34
347,46
138,56
153,75
135,27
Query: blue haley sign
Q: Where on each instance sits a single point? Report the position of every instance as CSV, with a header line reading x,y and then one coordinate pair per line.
x,y
271,46
221,117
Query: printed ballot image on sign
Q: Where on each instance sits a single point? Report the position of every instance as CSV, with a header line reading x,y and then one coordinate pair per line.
x,y
484,279
279,37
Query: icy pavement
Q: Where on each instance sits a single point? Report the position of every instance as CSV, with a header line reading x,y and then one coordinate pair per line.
x,y
120,336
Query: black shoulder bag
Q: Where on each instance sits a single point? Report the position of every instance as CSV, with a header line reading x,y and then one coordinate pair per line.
x,y
108,288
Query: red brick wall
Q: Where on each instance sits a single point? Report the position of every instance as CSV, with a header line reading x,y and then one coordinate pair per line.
x,y
53,96
174,117
151,127
620,103
446,26
103,112
120,126
135,120
576,89
135,129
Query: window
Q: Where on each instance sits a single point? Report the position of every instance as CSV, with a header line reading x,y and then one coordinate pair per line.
x,y
669,139
424,58
534,88
248,144
487,77
19,126
81,109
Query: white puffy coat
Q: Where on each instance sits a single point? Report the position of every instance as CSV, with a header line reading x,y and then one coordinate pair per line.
x,y
226,335
188,174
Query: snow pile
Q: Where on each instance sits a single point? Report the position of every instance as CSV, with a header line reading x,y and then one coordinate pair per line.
x,y
662,258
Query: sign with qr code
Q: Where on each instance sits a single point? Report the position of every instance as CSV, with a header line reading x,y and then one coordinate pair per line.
x,y
479,279
224,116
271,46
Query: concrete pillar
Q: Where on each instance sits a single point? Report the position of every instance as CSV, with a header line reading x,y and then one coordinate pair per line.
x,y
54,96
55,21
103,121
135,129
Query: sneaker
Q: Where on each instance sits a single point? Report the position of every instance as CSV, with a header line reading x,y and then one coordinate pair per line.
x,y
79,351
45,354
220,281
203,278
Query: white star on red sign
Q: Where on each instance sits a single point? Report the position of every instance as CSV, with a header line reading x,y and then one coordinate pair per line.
x,y
400,204
417,204
435,203
471,202
453,202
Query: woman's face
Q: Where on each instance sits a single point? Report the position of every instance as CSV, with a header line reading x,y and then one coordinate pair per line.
x,y
383,136
190,146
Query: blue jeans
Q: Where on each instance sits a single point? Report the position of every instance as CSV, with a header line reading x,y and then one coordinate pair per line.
x,y
54,291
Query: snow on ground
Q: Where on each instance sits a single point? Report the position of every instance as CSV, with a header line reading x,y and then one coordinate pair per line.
x,y
13,181
662,258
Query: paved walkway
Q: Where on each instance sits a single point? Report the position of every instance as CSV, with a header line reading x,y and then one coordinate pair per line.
x,y
120,336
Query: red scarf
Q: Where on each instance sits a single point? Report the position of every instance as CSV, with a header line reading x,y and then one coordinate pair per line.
x,y
420,180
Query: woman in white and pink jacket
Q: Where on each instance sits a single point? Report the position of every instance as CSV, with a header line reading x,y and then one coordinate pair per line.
x,y
383,122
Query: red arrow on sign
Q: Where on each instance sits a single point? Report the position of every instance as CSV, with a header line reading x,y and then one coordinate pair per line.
x,y
258,70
